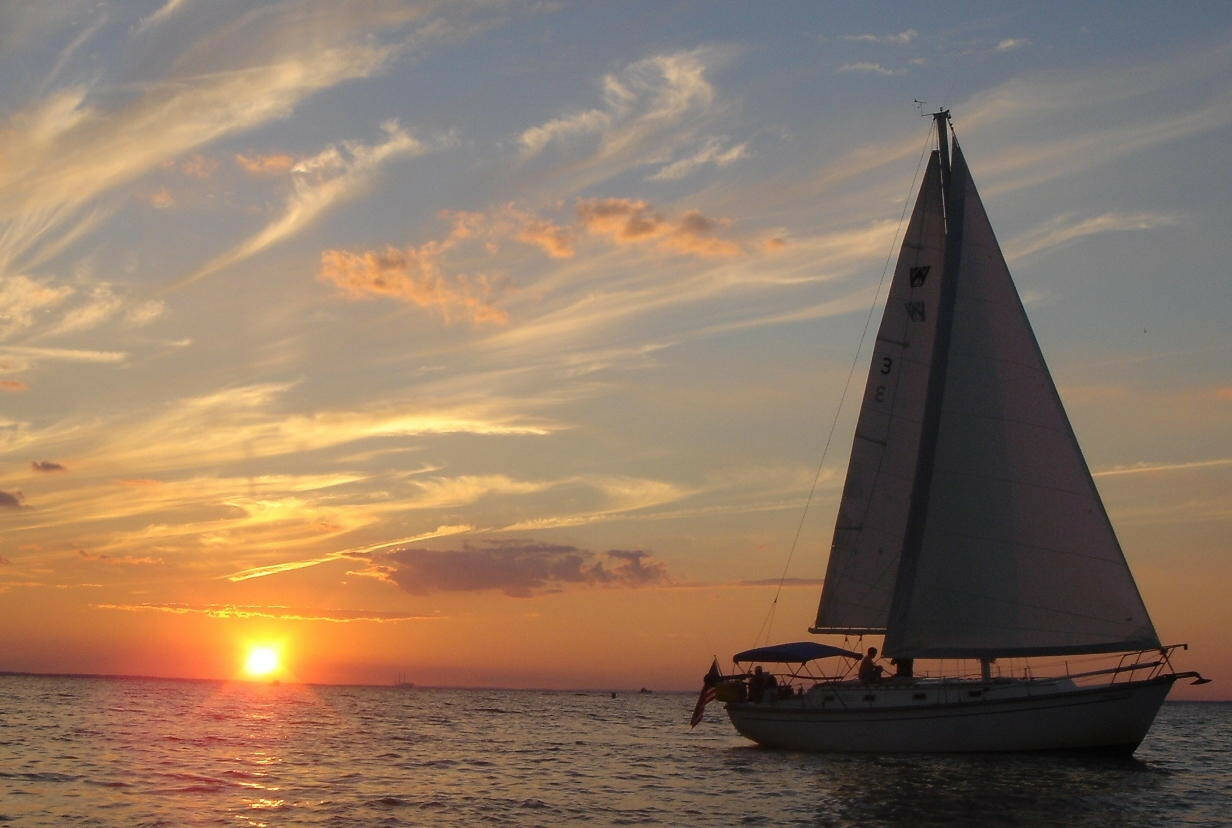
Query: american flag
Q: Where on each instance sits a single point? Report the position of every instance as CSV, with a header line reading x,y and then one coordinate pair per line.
x,y
710,684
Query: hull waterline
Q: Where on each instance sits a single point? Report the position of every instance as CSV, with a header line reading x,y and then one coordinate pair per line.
x,y
856,720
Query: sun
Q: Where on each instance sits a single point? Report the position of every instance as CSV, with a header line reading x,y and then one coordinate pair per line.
x,y
261,662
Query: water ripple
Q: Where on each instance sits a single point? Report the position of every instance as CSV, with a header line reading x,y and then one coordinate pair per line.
x,y
137,752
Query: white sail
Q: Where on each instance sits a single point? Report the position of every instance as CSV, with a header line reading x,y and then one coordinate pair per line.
x,y
1015,554
872,518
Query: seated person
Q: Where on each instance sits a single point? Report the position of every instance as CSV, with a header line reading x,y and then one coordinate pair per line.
x,y
870,672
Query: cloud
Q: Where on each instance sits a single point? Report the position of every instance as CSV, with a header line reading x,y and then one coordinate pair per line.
x,y
534,139
647,110
23,300
101,304
46,466
1067,228
712,152
412,275
10,500
336,174
13,386
787,583
266,164
161,198
247,422
630,221
22,357
280,613
643,97
1012,43
518,568
902,38
546,235
422,275
866,67
27,305
198,166
291,566
67,148
163,13
145,312
120,560
1153,468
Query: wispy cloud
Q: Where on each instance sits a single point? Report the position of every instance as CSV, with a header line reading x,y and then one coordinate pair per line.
x,y
1012,43
23,299
164,12
65,149
1155,468
901,38
291,566
280,613
1068,228
335,174
712,152
10,500
23,356
648,110
273,164
865,67
46,466
536,138
119,560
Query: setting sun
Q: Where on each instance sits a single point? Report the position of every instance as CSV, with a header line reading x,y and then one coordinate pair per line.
x,y
261,661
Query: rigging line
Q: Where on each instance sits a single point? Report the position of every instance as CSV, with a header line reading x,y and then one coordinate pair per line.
x,y
767,626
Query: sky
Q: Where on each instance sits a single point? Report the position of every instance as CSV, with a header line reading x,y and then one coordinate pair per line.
x,y
499,343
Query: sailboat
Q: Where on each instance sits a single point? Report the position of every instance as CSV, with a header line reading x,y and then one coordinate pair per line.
x,y
969,530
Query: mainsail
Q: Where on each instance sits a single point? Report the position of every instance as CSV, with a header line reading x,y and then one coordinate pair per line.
x,y
974,528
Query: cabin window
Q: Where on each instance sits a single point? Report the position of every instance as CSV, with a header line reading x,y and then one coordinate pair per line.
x,y
975,693
870,698
919,696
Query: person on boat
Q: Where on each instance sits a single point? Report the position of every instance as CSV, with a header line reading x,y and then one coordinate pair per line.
x,y
772,686
870,672
757,685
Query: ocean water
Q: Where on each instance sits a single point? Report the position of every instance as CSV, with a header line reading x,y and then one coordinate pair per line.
x,y
78,751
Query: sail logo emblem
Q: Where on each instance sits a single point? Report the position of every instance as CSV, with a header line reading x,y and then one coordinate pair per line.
x,y
915,311
918,275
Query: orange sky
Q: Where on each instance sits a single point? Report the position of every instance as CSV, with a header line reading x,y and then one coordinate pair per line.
x,y
498,346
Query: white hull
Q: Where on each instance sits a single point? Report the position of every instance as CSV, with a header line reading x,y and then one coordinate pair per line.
x,y
949,717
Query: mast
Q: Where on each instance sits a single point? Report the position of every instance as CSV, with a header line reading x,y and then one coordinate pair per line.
x,y
942,117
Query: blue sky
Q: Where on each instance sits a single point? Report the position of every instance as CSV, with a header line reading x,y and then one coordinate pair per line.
x,y
437,315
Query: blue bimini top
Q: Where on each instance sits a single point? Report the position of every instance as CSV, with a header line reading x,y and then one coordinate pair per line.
x,y
795,653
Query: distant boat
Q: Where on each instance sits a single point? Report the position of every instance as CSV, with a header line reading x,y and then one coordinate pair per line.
x,y
401,682
969,529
